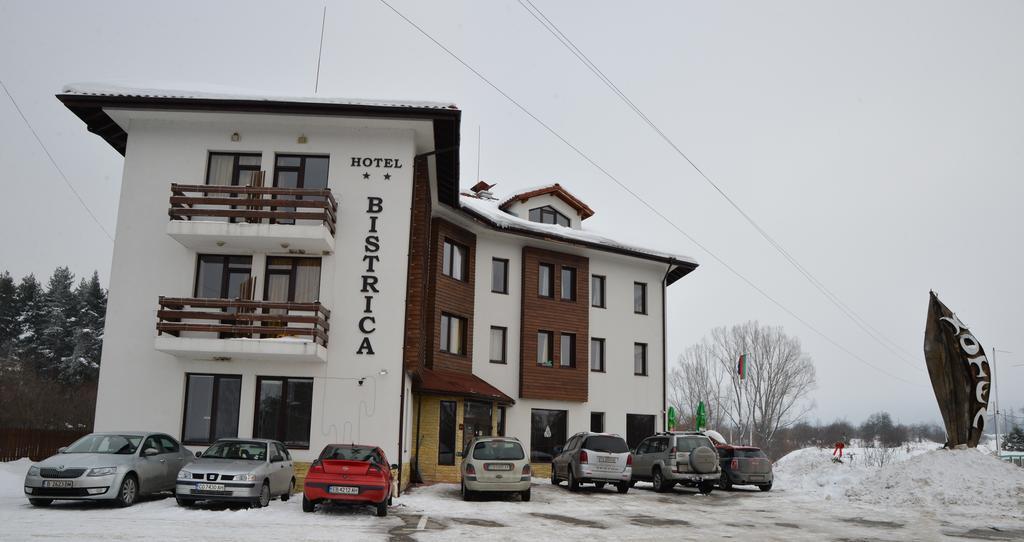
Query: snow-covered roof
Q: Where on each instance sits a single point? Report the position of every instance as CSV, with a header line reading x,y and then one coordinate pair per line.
x,y
222,93
489,210
558,190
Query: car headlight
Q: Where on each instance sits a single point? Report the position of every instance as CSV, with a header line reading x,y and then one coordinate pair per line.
x,y
248,477
184,475
102,471
33,471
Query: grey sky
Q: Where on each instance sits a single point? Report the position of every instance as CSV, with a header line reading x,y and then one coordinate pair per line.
x,y
879,142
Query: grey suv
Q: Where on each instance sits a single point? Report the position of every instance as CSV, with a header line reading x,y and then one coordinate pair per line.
x,y
597,458
685,458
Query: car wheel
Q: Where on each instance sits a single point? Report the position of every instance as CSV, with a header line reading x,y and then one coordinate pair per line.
x,y
128,491
554,479
41,502
525,495
571,480
382,509
725,482
658,480
599,485
467,495
264,498
307,505
288,494
765,487
184,502
623,487
705,487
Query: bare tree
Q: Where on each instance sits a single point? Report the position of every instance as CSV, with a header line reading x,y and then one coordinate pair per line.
x,y
775,392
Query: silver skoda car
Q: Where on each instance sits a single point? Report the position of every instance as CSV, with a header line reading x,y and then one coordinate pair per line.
x,y
116,467
251,471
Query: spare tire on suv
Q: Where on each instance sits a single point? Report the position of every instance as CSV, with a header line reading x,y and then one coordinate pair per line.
x,y
704,460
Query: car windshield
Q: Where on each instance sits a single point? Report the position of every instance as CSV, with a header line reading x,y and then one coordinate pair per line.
x,y
606,443
689,444
105,444
237,449
758,454
347,453
502,450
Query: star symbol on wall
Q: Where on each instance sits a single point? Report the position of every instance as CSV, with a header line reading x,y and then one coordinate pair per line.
x,y
387,176
366,175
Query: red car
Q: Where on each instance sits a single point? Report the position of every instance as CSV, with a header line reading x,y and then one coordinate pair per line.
x,y
349,474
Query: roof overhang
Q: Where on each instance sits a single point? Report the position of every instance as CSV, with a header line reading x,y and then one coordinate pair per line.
x,y
92,109
429,381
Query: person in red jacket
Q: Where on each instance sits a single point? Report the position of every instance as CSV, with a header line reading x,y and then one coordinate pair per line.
x,y
837,453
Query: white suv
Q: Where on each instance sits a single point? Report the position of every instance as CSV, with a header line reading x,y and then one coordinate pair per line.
x,y
598,458
495,464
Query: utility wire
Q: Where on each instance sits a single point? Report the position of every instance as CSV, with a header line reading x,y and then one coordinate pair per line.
x,y
862,323
54,162
614,179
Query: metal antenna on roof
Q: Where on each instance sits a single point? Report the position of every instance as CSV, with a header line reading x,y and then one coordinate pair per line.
x,y
477,153
323,21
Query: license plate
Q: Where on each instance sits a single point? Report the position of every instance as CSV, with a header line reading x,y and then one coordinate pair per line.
x,y
607,460
210,487
58,483
498,466
343,490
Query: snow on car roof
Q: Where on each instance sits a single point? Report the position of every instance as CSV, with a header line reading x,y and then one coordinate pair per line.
x,y
224,93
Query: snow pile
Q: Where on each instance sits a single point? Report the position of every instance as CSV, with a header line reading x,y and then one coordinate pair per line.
x,y
942,478
811,471
12,477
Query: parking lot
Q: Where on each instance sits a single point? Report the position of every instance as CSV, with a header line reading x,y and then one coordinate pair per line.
x,y
438,513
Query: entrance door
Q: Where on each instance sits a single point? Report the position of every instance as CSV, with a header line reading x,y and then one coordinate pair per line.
x,y
476,421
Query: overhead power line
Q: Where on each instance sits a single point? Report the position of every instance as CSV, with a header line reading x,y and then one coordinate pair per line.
x,y
614,179
54,162
852,315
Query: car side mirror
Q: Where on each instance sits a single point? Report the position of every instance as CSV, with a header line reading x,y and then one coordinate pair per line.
x,y
394,466
61,449
198,454
558,450
150,451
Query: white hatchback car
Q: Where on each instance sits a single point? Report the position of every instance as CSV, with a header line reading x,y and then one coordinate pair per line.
x,y
495,464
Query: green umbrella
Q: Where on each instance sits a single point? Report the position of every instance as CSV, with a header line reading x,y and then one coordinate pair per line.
x,y
702,417
671,418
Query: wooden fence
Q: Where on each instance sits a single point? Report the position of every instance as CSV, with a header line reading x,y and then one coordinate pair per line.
x,y
35,444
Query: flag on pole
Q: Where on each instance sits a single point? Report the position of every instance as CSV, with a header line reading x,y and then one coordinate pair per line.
x,y
741,366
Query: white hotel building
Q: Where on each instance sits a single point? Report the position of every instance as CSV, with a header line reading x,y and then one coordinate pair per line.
x,y
309,270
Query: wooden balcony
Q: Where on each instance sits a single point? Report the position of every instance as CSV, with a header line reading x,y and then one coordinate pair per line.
x,y
225,329
253,218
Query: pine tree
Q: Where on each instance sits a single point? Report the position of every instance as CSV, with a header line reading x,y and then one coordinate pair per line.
x,y
1014,441
32,322
84,362
10,310
57,342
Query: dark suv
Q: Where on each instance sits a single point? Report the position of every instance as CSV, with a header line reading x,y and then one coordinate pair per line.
x,y
745,465
682,457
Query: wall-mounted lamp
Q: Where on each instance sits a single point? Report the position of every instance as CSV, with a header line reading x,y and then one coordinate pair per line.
x,y
285,245
220,243
235,137
361,380
383,372
302,139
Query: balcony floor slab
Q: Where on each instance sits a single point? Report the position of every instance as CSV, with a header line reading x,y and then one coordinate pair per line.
x,y
241,237
242,349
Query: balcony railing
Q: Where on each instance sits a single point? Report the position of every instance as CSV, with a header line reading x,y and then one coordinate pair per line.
x,y
253,204
236,318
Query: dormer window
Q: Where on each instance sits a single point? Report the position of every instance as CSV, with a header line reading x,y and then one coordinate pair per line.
x,y
548,215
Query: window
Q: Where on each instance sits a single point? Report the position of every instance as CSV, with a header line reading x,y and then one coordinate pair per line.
x,y
211,407
499,275
231,169
295,171
640,298
453,334
223,277
455,261
597,291
597,422
501,421
476,421
292,279
569,283
284,408
546,280
638,427
547,430
544,344
640,359
167,444
498,344
597,355
548,215
567,350
446,433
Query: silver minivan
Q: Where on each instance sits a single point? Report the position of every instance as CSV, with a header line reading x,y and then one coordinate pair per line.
x,y
495,465
593,458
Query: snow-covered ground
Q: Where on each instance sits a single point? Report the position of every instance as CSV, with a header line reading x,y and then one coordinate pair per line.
x,y
924,494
